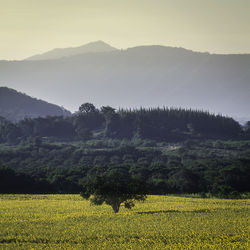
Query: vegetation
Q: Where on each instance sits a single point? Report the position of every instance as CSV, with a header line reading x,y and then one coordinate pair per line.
x,y
161,222
114,189
171,125
215,166
169,150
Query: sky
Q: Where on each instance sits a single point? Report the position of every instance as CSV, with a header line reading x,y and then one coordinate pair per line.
x,y
29,27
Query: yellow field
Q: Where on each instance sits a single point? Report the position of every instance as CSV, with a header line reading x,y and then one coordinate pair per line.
x,y
161,222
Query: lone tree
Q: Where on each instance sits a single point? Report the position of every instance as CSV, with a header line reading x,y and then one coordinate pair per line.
x,y
114,189
87,108
86,120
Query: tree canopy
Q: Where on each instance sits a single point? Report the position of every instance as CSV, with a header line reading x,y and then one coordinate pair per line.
x,y
165,124
114,189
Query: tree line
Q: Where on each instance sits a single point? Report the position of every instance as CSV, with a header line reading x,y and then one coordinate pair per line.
x,y
160,124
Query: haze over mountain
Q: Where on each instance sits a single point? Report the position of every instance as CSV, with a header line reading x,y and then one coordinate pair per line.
x,y
15,106
147,76
93,47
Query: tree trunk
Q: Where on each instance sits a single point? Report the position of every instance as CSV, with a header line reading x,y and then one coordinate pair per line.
x,y
116,207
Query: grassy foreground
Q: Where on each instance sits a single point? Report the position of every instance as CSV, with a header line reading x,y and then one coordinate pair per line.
x,y
161,222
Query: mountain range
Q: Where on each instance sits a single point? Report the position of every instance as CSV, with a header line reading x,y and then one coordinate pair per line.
x,y
147,76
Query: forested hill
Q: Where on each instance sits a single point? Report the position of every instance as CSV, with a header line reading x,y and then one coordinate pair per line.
x,y
166,124
15,106
171,150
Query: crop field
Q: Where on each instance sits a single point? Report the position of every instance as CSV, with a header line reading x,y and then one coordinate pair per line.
x,y
161,222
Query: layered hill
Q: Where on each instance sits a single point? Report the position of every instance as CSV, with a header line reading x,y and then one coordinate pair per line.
x,y
15,106
147,76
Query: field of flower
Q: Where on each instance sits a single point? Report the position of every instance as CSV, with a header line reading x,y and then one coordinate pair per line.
x,y
161,222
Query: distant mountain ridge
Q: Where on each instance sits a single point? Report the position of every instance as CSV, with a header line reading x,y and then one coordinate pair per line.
x,y
15,106
93,47
143,76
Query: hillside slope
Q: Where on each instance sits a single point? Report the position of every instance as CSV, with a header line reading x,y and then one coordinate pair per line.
x,y
15,106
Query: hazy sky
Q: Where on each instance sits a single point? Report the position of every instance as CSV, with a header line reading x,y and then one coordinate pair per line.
x,y
28,27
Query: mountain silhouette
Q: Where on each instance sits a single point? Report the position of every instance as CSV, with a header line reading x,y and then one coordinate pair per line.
x,y
15,106
147,76
93,47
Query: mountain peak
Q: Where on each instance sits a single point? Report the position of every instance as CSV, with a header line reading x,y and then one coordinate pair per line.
x,y
92,47
99,42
